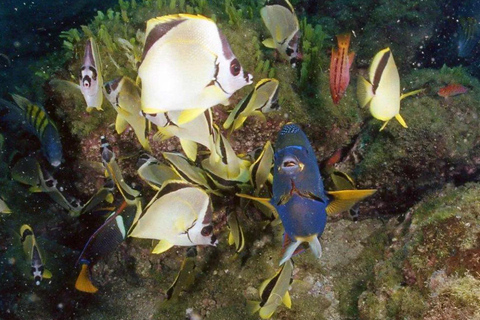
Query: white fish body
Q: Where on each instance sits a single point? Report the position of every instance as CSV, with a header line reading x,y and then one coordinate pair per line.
x,y
182,218
91,80
187,64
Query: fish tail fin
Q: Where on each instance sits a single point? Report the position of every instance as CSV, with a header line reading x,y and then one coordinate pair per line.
x,y
316,247
364,91
84,282
163,133
400,119
289,252
384,125
253,306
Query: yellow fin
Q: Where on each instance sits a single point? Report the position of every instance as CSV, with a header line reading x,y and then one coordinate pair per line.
x,y
47,274
120,124
269,43
384,125
162,246
83,282
109,198
263,201
400,119
35,189
190,148
345,199
189,114
253,306
411,93
287,301
364,91
231,240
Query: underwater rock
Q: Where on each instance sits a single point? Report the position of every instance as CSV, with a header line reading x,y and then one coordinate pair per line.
x,y
431,268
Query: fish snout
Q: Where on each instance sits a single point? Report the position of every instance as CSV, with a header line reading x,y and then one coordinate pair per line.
x,y
248,77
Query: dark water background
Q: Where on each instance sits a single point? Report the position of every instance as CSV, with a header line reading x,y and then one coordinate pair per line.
x,y
31,29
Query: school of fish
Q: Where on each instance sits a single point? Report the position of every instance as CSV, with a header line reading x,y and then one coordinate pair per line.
x,y
187,68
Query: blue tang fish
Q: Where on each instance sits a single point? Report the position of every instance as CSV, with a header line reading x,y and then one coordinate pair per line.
x,y
299,196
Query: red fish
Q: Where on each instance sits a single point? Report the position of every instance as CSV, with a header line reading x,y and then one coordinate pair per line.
x,y
340,64
452,90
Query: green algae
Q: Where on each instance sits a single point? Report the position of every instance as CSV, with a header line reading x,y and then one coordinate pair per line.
x,y
430,262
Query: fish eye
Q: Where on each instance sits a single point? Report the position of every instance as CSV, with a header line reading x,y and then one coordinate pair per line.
x,y
206,231
289,164
235,67
50,183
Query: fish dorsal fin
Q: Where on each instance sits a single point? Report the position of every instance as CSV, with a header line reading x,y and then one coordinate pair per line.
x,y
162,246
269,43
83,282
345,199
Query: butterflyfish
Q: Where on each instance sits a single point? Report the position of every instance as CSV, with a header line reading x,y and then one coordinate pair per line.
x,y
103,242
262,99
35,120
28,171
33,255
224,167
273,292
382,91
91,80
282,23
179,215
340,63
235,236
260,170
104,194
153,172
124,96
185,277
187,65
200,130
132,196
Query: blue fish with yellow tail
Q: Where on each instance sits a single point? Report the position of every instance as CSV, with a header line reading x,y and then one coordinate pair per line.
x,y
299,196
36,121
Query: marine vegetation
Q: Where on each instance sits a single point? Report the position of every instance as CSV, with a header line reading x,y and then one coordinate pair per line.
x,y
189,152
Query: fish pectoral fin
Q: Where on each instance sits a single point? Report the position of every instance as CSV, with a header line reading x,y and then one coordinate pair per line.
x,y
189,114
83,282
34,189
190,149
162,246
163,133
253,306
351,57
287,301
400,119
364,91
411,93
343,200
231,239
269,43
109,198
47,274
120,124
